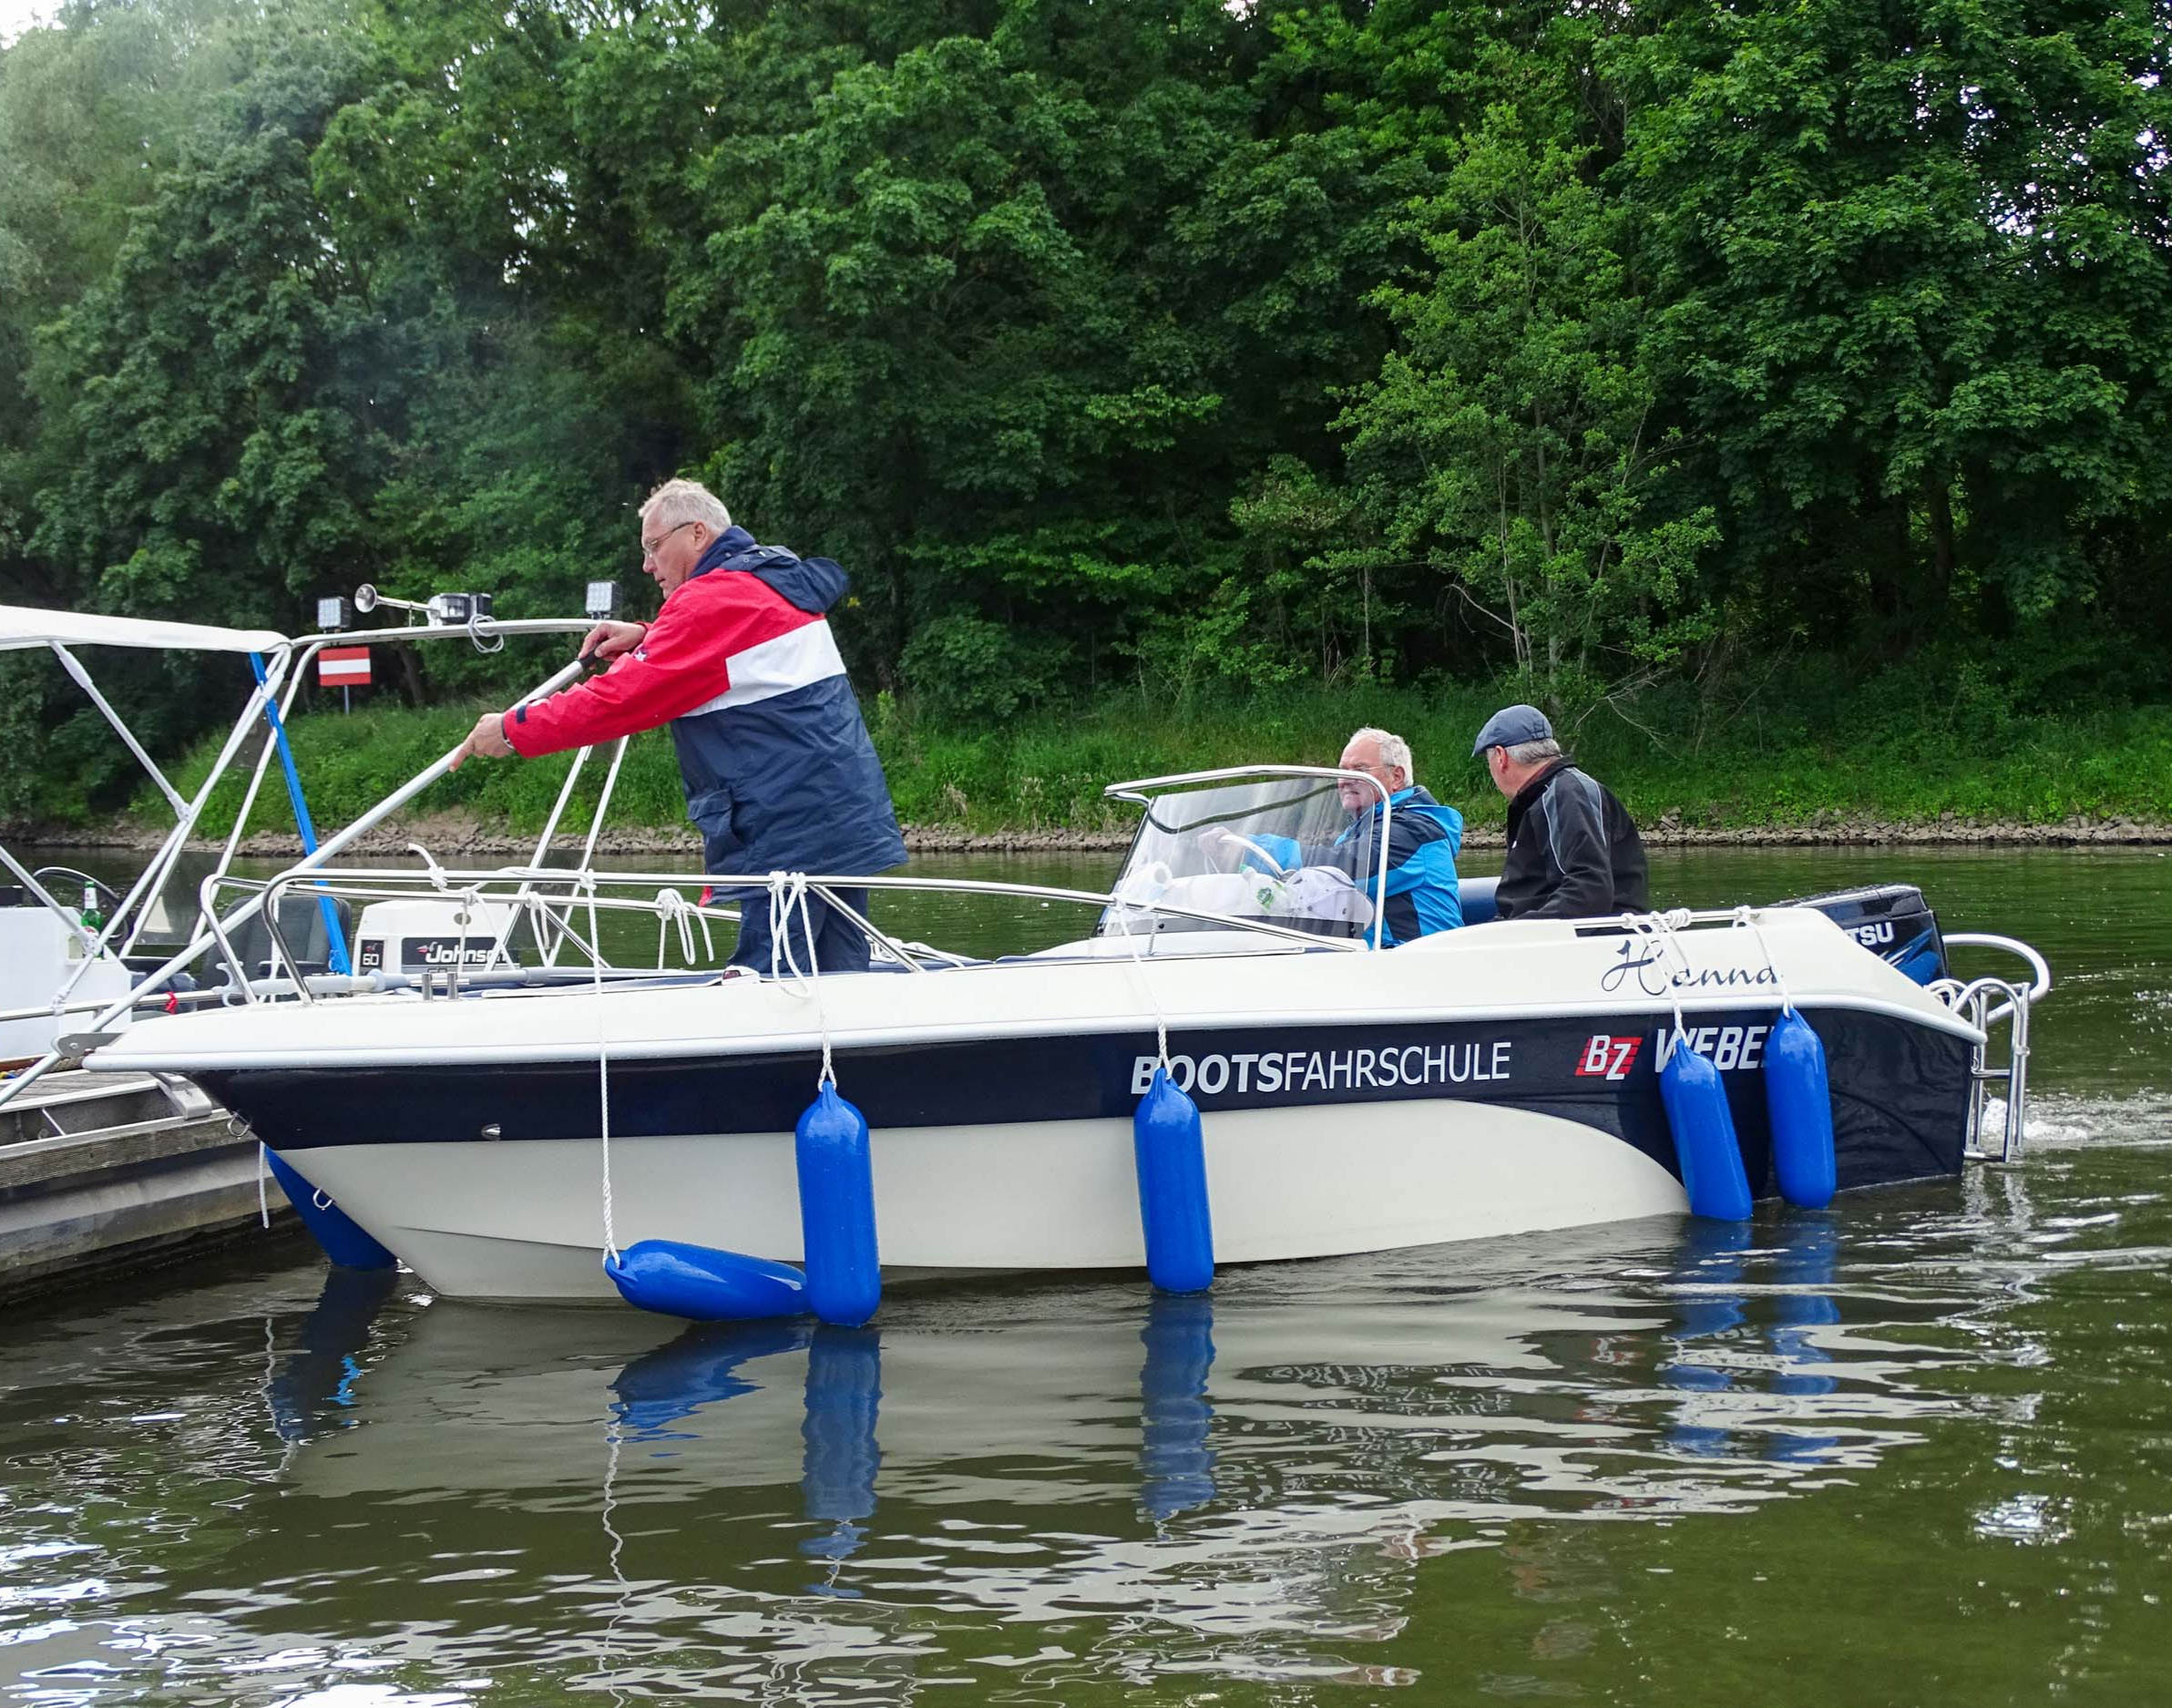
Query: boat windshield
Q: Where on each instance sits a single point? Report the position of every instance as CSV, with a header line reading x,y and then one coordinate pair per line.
x,y
1282,849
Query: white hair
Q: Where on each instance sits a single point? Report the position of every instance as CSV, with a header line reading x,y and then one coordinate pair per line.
x,y
1534,752
1394,750
678,502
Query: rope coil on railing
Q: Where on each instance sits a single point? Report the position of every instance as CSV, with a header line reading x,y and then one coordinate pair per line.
x,y
1661,928
672,908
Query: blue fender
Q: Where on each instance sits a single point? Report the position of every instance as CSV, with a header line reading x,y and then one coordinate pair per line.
x,y
342,1237
1703,1130
1170,1154
836,1210
674,1278
1799,1103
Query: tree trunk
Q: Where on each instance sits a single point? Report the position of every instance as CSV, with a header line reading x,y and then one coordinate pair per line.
x,y
1938,587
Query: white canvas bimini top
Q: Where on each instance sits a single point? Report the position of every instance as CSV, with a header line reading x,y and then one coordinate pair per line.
x,y
22,625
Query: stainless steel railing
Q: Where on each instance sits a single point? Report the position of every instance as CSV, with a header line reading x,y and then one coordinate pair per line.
x,y
1986,1003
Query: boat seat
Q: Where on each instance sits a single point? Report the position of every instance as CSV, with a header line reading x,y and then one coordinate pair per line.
x,y
301,922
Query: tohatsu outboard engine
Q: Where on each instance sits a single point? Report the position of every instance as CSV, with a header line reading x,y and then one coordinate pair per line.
x,y
1892,921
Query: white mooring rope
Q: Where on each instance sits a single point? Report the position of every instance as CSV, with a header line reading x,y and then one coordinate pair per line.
x,y
1123,925
1745,917
1661,927
787,891
610,1237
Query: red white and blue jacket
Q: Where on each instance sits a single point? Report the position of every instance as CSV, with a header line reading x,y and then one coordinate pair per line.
x,y
779,772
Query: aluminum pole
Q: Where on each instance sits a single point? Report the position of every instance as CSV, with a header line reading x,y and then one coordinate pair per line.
x,y
248,910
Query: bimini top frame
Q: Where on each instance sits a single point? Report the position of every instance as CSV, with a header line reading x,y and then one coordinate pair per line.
x,y
23,625
284,663
25,628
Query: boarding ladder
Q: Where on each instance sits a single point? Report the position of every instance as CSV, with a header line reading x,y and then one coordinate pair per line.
x,y
1985,1004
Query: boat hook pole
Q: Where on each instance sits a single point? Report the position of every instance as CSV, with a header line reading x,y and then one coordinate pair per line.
x,y
201,937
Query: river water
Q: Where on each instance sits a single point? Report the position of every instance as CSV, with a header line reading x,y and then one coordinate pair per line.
x,y
1914,1450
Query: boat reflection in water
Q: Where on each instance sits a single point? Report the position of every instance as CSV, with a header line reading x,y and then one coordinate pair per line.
x,y
313,1388
1176,1465
1264,1470
1749,1347
668,1395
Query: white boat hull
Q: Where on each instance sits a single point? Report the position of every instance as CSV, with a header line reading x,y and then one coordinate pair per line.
x,y
525,1221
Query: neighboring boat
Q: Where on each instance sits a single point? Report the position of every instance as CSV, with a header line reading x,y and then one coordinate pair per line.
x,y
1496,1080
99,1173
60,962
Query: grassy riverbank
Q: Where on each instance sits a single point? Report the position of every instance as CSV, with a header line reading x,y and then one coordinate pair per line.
x,y
1857,756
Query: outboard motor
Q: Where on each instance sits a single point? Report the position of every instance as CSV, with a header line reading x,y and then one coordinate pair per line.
x,y
1892,921
430,934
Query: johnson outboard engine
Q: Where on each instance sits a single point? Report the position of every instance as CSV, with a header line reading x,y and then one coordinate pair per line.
x,y
1892,921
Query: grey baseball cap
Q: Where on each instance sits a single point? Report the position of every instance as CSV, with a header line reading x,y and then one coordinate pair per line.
x,y
1511,727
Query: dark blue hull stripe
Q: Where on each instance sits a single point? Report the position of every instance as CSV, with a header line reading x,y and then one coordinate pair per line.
x,y
1900,1090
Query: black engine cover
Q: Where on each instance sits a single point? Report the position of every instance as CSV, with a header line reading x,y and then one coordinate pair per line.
x,y
1892,921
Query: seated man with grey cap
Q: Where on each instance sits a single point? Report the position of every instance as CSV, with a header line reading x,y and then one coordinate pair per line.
x,y
1574,851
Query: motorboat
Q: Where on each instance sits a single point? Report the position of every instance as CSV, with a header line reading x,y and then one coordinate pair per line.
x,y
501,1134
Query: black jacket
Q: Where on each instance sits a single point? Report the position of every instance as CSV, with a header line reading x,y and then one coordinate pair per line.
x,y
1574,851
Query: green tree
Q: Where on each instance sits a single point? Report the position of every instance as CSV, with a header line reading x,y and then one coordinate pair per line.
x,y
93,109
1915,259
221,438
1515,441
940,327
209,404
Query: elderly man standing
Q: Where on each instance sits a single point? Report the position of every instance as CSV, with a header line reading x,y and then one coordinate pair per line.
x,y
778,770
1574,851
1422,840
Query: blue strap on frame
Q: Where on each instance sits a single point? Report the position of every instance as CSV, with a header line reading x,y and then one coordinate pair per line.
x,y
335,939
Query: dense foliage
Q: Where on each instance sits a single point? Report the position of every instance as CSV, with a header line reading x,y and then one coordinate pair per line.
x,y
1167,346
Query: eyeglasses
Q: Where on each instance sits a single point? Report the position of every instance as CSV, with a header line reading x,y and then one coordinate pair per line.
x,y
649,548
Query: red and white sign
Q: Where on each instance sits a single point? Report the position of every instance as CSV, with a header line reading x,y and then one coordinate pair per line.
x,y
1606,1057
344,667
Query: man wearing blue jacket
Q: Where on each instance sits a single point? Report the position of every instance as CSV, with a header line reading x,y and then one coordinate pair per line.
x,y
1423,838
778,770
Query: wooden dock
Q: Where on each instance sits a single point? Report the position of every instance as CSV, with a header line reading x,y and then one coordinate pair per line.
x,y
101,1173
